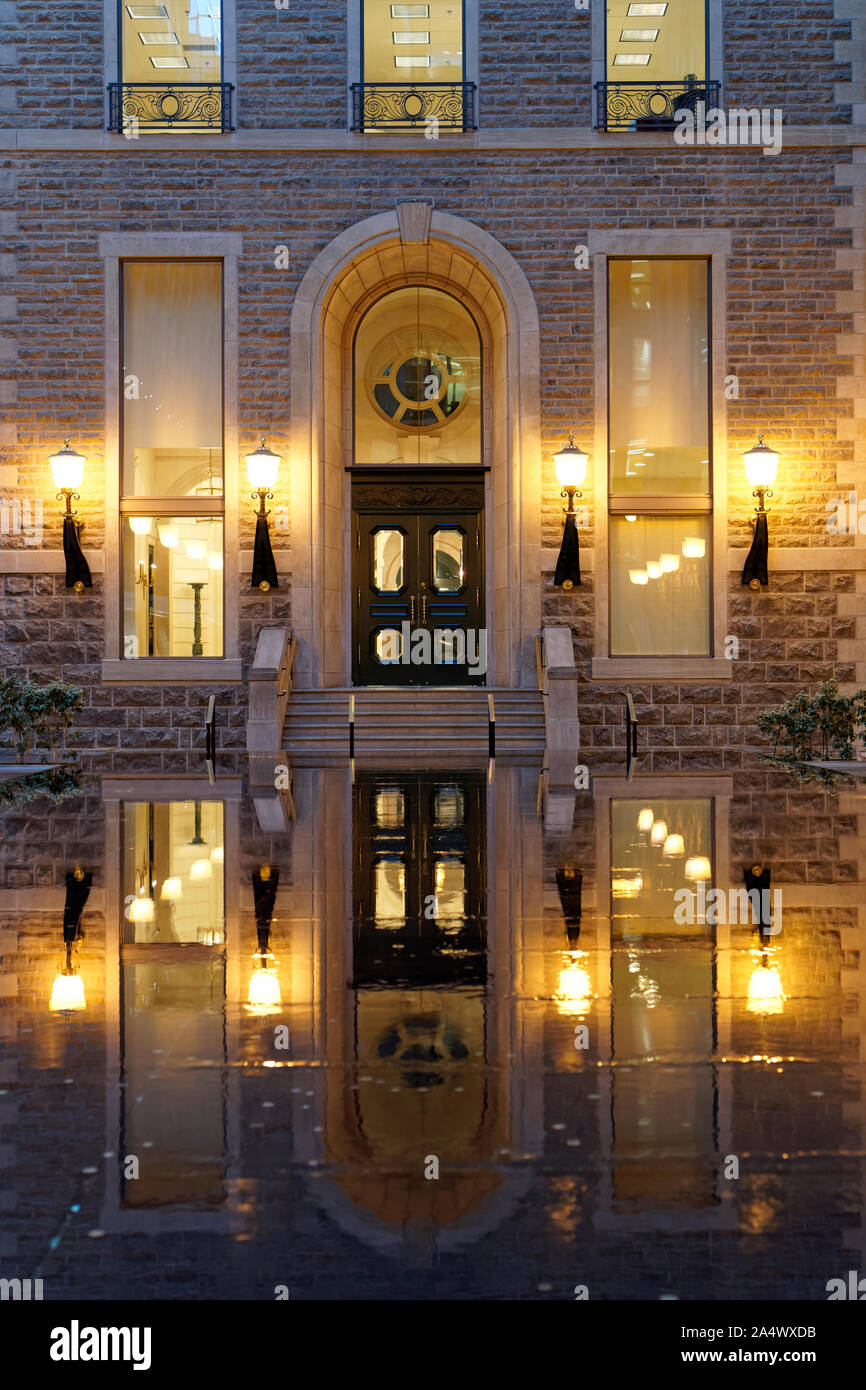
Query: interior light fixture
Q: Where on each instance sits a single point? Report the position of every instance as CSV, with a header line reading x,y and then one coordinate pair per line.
x,y
410,11
263,466
406,36
404,61
175,61
659,833
699,869
631,60
654,569
669,563
159,37
694,548
169,536
147,11
171,890
645,820
67,991
673,846
645,11
638,35
196,550
638,577
140,525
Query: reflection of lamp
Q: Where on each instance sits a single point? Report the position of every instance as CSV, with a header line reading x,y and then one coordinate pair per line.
x,y
263,465
645,820
264,992
638,577
569,885
626,887
694,548
169,536
766,995
699,869
574,985
171,890
217,855
200,869
659,832
673,846
669,563
570,464
67,991
140,525
67,470
761,464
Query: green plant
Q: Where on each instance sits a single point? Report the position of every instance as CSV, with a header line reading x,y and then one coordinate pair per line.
x,y
836,718
37,715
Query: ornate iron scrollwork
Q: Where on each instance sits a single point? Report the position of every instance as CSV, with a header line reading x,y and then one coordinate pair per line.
x,y
408,105
650,105
166,105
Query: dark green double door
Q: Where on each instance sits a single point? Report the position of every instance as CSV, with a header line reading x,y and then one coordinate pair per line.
x,y
418,581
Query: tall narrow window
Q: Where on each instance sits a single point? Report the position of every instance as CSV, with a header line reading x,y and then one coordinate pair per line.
x,y
413,67
656,62
660,457
172,458
171,67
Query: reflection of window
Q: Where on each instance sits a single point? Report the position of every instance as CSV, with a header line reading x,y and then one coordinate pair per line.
x,y
388,549
389,892
657,848
448,806
417,381
172,449
173,874
390,808
660,457
447,560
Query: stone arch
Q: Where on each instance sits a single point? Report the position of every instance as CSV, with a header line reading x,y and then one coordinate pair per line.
x,y
412,246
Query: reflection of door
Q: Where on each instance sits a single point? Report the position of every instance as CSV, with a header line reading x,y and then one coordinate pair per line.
x,y
418,878
418,582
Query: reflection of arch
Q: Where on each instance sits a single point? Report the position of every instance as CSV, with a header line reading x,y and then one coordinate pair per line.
x,y
347,276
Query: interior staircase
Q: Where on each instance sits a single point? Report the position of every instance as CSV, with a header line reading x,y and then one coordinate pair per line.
x,y
417,722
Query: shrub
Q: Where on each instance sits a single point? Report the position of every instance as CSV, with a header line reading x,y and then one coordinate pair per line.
x,y
836,718
37,715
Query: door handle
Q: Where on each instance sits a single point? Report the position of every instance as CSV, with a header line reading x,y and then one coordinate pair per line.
x,y
424,608
412,609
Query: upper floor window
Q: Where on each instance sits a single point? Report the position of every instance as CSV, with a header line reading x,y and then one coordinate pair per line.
x,y
170,66
413,68
656,63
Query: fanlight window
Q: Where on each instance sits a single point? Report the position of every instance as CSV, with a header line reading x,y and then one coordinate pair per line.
x,y
417,381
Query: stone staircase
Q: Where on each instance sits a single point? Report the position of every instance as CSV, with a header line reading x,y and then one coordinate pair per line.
x,y
415,722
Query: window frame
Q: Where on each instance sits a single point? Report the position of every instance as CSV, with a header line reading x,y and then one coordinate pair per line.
x,y
117,248
715,247
715,54
707,46
113,56
355,49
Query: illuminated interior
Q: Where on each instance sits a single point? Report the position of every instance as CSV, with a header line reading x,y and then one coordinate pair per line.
x,y
417,381
413,43
663,42
172,586
174,41
172,379
173,872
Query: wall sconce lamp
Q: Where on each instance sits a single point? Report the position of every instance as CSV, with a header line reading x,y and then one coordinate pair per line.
x,y
67,470
570,465
67,991
263,465
264,992
761,465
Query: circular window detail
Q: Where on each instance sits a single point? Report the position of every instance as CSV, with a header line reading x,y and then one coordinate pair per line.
x,y
169,106
421,390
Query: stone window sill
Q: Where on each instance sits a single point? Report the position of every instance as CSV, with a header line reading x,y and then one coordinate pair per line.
x,y
662,668
173,670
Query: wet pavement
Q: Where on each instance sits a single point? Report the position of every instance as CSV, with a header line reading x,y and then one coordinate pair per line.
x,y
415,1034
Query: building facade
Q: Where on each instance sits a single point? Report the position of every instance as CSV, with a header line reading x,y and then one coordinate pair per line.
x,y
415,248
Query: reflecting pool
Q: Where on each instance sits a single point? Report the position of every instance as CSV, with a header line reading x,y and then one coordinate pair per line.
x,y
427,1034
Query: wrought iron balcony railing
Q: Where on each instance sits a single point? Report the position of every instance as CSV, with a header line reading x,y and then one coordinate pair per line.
x,y
650,105
170,106
410,105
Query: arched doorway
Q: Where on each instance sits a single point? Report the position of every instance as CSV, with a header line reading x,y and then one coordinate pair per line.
x,y
420,251
418,495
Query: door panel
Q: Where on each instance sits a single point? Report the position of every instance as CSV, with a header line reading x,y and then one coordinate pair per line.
x,y
418,581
